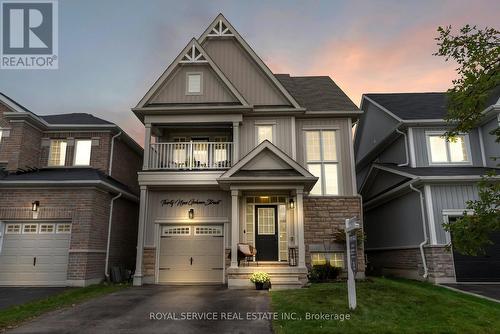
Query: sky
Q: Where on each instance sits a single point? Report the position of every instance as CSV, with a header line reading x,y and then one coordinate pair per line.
x,y
112,51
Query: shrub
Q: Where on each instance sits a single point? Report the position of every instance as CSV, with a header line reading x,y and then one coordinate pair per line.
x,y
323,273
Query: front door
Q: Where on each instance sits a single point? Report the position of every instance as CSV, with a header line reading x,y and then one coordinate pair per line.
x,y
266,232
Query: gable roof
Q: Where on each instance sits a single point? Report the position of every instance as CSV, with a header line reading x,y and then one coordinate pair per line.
x,y
437,171
413,106
229,31
191,47
317,93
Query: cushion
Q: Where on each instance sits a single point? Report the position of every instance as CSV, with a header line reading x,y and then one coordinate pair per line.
x,y
245,249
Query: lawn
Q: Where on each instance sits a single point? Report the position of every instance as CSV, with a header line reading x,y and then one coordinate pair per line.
x,y
19,313
386,306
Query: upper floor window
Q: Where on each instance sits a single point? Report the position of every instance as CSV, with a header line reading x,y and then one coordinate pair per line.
x,y
57,154
193,83
83,149
322,161
442,151
264,132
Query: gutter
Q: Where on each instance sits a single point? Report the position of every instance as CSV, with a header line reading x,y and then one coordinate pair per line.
x,y
112,151
106,266
421,245
406,149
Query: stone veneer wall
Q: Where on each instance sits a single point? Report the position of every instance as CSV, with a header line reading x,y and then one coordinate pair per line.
x,y
325,215
148,263
407,263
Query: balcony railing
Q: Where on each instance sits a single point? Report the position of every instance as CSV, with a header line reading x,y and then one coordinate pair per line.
x,y
191,155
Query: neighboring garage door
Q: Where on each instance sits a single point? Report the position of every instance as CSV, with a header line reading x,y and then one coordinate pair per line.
x,y
34,253
482,268
191,254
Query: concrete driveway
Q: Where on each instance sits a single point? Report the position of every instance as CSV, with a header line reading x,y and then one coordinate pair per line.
x,y
10,296
491,291
131,310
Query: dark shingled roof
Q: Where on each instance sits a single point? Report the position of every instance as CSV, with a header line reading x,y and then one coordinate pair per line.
x,y
317,93
74,118
413,106
443,171
64,174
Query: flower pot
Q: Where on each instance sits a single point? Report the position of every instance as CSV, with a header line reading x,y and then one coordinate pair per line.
x,y
259,286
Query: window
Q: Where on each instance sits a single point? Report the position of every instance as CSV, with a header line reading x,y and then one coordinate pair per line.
x,y
264,132
46,228
176,230
336,259
194,85
13,229
441,151
322,161
266,221
208,230
57,154
83,148
63,228
30,228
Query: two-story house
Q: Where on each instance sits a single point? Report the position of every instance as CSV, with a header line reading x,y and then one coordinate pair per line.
x,y
68,197
413,180
235,154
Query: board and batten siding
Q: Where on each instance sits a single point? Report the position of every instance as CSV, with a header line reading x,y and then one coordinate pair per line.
x,y
157,212
421,157
213,89
394,224
449,197
243,72
343,151
491,147
282,128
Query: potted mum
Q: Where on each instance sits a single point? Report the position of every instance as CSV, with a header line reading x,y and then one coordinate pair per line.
x,y
260,278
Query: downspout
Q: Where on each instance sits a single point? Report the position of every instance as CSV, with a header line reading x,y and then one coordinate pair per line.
x,y
106,266
112,150
421,245
406,149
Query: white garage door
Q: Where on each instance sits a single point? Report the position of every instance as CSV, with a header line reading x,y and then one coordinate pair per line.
x,y
191,254
34,253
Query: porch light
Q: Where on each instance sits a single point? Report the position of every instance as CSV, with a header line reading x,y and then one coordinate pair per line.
x,y
292,204
191,213
264,197
35,205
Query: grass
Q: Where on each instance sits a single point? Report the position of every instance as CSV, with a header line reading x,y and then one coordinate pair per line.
x,y
16,314
386,306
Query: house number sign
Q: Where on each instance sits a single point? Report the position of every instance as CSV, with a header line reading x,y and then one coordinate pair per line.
x,y
193,201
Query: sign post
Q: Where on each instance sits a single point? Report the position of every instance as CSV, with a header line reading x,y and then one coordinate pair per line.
x,y
351,226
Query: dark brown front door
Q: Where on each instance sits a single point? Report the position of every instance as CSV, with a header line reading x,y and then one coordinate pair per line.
x,y
266,232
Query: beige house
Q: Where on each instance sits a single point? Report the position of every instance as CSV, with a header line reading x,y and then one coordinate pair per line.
x,y
237,155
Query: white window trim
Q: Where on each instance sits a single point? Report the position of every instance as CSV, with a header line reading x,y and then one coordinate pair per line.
x,y
447,213
50,152
20,228
42,232
441,133
218,228
187,83
321,162
35,232
190,229
63,232
75,151
264,123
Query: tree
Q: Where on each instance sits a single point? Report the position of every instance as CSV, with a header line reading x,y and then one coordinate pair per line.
x,y
477,53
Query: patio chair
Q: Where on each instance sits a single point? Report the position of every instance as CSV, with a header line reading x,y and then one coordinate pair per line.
x,y
246,252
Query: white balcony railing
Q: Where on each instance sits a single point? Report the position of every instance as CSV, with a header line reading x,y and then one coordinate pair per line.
x,y
191,155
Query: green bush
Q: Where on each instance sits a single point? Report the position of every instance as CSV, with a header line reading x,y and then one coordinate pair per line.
x,y
323,273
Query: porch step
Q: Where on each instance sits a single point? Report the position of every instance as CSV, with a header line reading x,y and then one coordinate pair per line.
x,y
282,277
264,264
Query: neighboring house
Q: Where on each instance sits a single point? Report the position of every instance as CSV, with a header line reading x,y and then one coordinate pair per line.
x,y
412,181
64,181
236,154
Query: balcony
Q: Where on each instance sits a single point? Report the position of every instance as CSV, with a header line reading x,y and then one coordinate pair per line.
x,y
190,155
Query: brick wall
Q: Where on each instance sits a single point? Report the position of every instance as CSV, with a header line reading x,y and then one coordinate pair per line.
x,y
124,234
325,215
22,148
126,164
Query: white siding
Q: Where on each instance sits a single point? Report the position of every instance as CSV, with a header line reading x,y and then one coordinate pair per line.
x,y
282,128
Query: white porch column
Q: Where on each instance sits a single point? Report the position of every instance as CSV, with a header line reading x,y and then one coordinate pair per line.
x,y
140,235
235,227
236,142
147,146
300,228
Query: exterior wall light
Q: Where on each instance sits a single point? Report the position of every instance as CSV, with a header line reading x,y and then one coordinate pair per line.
x,y
292,204
35,205
191,213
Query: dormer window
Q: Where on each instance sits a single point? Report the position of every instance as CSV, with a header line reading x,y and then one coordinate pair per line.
x,y
83,148
194,83
448,152
57,154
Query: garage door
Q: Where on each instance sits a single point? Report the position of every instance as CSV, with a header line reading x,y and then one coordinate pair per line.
x,y
191,254
483,268
34,253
